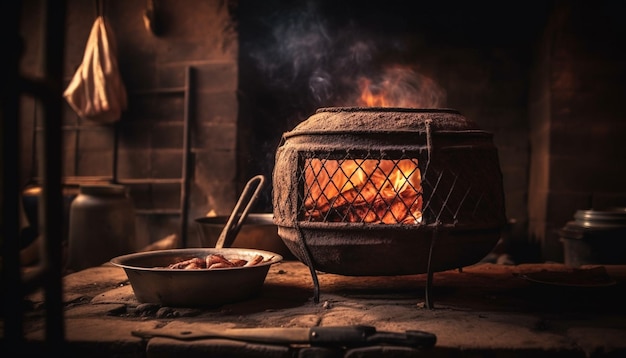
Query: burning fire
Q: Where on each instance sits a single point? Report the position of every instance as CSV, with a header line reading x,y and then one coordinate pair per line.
x,y
400,86
363,190
370,190
370,99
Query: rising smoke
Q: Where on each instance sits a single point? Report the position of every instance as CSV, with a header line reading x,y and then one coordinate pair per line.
x,y
336,64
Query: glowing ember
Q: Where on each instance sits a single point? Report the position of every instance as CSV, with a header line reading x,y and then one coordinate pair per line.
x,y
363,190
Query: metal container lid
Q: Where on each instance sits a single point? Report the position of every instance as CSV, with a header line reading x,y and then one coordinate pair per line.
x,y
383,120
102,189
610,218
596,224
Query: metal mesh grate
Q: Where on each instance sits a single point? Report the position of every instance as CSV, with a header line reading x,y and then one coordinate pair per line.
x,y
396,187
462,190
360,187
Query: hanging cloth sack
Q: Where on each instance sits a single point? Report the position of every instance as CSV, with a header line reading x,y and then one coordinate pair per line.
x,y
97,91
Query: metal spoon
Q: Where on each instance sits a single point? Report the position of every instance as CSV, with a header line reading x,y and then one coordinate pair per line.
x,y
234,223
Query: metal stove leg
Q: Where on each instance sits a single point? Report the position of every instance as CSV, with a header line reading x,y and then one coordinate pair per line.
x,y
429,274
309,263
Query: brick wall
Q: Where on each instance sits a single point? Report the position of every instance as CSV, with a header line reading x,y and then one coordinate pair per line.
x,y
552,102
481,61
199,35
577,119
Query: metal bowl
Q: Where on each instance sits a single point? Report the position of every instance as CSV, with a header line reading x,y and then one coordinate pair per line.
x,y
153,282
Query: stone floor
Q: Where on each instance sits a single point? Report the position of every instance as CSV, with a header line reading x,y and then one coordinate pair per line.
x,y
483,310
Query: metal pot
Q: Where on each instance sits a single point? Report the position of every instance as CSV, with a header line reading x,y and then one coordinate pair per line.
x,y
595,237
31,197
257,232
153,282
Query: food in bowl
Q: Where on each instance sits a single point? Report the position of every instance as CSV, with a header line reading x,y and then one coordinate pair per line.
x,y
215,261
153,282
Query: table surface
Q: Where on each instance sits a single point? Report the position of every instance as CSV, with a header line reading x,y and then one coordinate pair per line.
x,y
482,308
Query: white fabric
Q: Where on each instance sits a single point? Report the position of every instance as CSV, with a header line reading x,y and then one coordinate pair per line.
x,y
97,91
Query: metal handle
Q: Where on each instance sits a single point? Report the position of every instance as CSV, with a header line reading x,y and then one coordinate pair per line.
x,y
329,336
230,231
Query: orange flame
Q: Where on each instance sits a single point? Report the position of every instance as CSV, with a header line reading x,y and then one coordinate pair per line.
x,y
400,86
364,190
368,98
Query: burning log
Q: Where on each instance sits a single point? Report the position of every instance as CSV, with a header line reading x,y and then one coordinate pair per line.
x,y
368,191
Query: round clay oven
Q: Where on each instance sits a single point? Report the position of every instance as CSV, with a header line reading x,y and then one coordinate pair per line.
x,y
388,191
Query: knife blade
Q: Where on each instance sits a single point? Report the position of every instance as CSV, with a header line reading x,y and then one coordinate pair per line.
x,y
332,336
